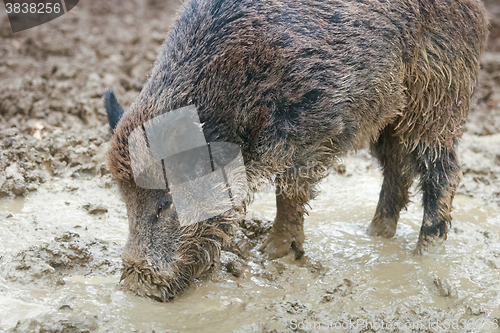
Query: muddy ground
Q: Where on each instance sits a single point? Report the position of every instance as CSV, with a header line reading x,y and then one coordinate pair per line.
x,y
63,224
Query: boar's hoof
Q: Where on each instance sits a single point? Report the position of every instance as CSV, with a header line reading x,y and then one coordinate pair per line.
x,y
282,239
431,245
382,227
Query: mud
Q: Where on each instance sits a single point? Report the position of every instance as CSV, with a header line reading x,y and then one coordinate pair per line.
x,y
64,226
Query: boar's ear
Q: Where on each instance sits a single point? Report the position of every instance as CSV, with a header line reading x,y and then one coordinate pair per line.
x,y
113,109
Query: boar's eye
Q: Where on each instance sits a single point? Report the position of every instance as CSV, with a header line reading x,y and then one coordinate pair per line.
x,y
163,205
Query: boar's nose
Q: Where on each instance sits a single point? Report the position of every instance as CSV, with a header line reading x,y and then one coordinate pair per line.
x,y
144,278
137,266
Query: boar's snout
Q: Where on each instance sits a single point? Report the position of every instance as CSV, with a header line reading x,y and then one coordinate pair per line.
x,y
151,258
163,276
149,266
161,258
146,278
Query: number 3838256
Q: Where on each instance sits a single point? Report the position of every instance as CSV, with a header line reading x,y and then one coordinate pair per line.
x,y
33,8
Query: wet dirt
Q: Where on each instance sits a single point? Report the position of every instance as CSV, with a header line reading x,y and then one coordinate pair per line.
x,y
64,225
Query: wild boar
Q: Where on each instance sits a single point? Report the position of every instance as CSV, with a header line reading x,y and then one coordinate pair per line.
x,y
295,84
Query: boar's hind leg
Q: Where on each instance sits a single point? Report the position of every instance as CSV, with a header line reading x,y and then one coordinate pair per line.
x,y
398,176
288,228
440,177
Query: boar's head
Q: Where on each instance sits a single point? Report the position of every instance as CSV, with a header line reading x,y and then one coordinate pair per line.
x,y
162,256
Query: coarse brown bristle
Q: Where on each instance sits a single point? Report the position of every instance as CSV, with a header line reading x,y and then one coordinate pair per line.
x,y
199,246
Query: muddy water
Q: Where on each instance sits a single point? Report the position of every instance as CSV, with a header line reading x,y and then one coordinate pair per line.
x,y
60,267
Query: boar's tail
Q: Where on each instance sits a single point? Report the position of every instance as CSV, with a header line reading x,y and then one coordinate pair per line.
x,y
113,109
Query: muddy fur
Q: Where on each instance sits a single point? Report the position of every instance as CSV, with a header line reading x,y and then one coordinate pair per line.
x,y
288,228
296,84
197,248
161,258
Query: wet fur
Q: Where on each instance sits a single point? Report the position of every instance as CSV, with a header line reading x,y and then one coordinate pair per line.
x,y
298,82
198,247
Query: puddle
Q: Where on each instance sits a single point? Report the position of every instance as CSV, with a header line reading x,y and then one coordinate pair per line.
x,y
12,205
345,275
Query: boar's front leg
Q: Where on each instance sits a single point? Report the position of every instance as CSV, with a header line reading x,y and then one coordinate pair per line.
x,y
288,229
